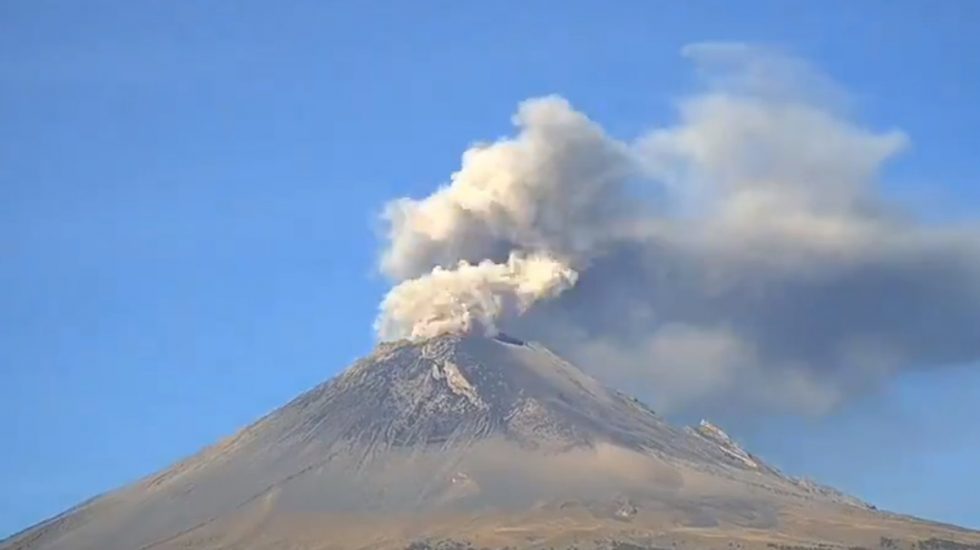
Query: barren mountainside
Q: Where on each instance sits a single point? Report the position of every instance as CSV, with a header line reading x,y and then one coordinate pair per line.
x,y
463,441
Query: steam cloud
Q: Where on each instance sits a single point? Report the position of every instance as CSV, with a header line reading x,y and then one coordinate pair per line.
x,y
743,257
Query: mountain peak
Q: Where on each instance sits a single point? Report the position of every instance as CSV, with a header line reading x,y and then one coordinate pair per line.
x,y
457,388
462,436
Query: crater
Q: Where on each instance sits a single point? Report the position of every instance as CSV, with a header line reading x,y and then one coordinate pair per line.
x,y
508,339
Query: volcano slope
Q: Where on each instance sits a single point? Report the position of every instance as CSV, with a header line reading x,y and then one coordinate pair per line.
x,y
463,441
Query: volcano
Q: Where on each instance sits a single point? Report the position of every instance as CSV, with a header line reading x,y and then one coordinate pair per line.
x,y
465,441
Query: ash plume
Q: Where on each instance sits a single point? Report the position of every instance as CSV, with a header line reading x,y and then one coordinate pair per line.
x,y
743,257
470,296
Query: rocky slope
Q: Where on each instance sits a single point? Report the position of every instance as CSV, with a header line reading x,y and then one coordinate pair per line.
x,y
489,442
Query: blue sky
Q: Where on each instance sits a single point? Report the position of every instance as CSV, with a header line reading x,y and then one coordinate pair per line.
x,y
188,200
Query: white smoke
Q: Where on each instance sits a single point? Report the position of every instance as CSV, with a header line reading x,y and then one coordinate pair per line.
x,y
509,230
744,256
470,296
556,187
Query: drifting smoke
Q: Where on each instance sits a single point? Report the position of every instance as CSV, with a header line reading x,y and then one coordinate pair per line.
x,y
511,228
743,257
557,188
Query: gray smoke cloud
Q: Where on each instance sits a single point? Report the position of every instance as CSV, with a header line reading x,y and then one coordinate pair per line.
x,y
742,258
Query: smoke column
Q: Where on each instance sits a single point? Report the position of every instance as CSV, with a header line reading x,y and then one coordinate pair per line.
x,y
743,255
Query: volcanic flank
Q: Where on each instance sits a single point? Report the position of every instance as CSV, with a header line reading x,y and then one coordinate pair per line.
x,y
465,440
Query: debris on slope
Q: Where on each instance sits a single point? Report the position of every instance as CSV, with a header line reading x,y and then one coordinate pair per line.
x,y
728,446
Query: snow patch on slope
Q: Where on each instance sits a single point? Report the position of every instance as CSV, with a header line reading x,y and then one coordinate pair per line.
x,y
458,383
727,445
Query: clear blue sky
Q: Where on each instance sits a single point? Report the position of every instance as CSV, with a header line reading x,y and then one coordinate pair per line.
x,y
188,194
